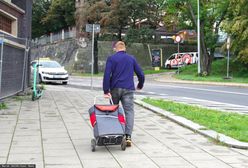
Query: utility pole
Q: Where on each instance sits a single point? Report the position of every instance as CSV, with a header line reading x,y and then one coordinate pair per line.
x,y
178,39
228,57
198,37
92,28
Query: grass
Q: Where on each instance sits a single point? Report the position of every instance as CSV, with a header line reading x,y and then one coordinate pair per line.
x,y
238,72
3,106
230,124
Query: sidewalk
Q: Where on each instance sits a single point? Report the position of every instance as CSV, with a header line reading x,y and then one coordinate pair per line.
x,y
55,132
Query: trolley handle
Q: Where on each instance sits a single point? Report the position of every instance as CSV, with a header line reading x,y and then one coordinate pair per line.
x,y
110,99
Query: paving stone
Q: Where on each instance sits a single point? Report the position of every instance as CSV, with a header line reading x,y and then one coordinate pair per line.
x,y
66,133
197,156
27,150
101,163
242,151
62,160
63,166
25,158
237,165
135,160
59,152
234,159
159,152
171,161
210,163
3,160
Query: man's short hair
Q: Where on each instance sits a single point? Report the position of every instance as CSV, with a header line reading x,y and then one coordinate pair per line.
x,y
120,46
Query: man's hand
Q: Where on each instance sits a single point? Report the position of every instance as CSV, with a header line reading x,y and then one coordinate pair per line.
x,y
108,95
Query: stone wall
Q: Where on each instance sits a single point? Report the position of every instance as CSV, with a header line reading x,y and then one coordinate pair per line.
x,y
75,58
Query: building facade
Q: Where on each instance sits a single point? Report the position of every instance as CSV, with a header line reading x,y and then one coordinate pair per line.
x,y
15,33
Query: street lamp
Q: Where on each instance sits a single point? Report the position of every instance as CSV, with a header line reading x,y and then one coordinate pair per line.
x,y
198,37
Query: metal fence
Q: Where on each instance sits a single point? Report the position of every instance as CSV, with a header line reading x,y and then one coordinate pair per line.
x,y
55,37
14,65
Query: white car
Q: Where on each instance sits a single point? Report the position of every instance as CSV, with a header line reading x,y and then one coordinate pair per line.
x,y
50,71
181,59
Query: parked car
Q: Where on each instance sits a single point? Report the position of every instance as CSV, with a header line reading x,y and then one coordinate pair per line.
x,y
50,71
181,59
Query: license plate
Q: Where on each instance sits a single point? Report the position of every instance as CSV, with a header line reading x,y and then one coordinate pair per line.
x,y
56,76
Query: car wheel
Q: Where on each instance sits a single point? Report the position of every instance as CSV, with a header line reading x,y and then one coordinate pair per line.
x,y
168,66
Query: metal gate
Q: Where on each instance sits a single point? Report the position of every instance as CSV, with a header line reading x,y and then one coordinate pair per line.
x,y
14,66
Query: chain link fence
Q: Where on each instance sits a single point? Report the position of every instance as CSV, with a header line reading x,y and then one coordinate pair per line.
x,y
14,65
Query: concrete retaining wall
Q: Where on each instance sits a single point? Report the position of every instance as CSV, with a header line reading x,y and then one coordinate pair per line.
x,y
75,58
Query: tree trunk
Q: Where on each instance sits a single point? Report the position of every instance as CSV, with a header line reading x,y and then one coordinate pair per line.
x,y
205,57
119,33
96,54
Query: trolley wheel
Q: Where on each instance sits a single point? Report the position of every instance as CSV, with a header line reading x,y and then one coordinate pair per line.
x,y
93,145
33,96
123,144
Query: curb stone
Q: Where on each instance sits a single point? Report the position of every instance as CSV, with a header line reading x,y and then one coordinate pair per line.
x,y
195,127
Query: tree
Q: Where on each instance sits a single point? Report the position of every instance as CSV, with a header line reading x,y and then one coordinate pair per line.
x,y
60,15
236,25
212,14
40,9
116,16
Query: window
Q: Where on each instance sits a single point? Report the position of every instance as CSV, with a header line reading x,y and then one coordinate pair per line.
x,y
5,24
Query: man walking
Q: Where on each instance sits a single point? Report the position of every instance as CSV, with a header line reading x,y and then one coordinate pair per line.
x,y
118,83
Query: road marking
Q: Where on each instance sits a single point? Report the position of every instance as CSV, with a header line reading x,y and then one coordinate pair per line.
x,y
163,94
208,90
226,107
150,92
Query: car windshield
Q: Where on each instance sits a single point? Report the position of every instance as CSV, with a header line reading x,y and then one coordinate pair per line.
x,y
50,64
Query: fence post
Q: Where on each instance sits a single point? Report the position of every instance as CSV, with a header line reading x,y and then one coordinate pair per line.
x,y
25,65
51,37
63,34
1,62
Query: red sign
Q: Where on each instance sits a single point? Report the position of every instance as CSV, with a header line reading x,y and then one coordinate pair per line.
x,y
178,39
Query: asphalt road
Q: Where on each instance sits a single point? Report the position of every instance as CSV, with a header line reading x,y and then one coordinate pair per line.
x,y
222,94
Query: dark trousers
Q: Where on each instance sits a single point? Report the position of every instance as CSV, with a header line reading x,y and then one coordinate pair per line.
x,y
126,98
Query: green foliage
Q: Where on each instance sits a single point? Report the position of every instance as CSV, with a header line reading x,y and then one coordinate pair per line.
x,y
117,15
238,72
183,14
230,124
60,14
40,9
52,16
236,24
142,35
3,106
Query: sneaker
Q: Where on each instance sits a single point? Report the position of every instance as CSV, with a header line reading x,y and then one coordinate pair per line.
x,y
128,140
